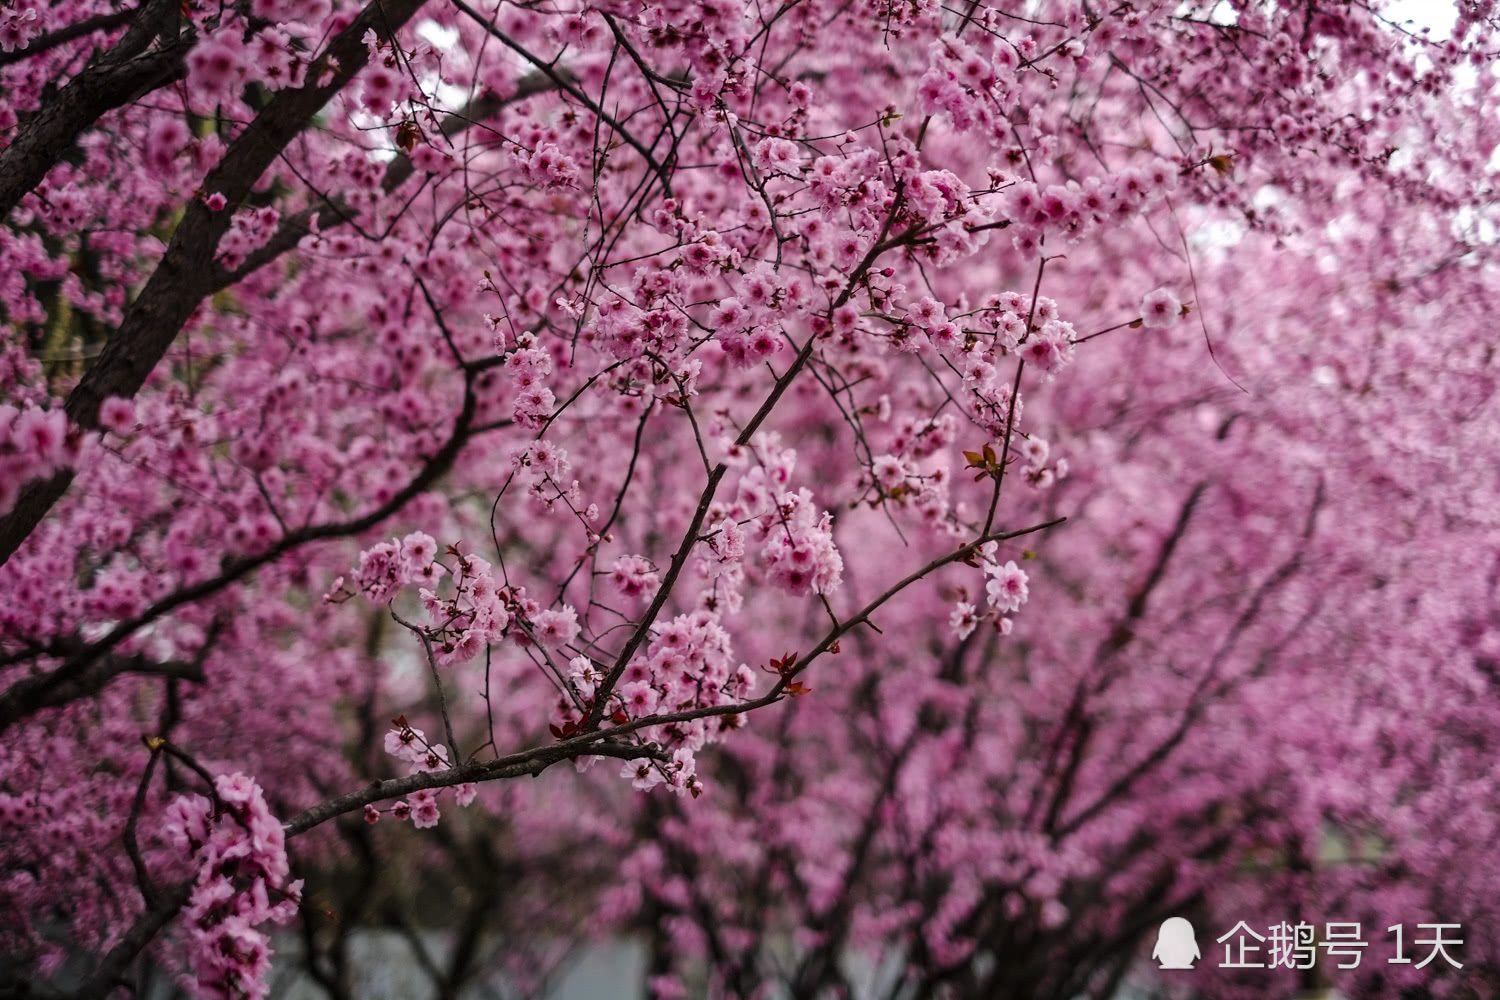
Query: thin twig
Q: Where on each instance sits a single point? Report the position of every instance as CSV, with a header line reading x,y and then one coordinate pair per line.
x,y
437,680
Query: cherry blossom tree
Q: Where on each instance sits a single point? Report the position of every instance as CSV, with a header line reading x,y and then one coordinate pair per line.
x,y
958,483
1258,713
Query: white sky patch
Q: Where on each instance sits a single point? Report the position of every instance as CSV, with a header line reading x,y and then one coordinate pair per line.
x,y
440,37
1216,235
1415,15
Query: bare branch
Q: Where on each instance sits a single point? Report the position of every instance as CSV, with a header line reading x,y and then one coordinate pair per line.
x,y
532,762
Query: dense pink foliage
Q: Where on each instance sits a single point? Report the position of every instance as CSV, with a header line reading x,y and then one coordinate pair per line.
x,y
1013,474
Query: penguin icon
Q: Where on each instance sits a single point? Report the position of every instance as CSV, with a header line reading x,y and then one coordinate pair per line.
x,y
1176,946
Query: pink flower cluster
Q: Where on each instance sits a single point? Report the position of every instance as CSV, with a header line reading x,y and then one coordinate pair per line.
x,y
17,27
1068,211
634,576
387,567
271,53
527,367
34,443
1005,591
972,87
538,299
409,744
218,66
687,665
747,324
799,554
477,612
247,231
796,549
550,167
1160,309
239,851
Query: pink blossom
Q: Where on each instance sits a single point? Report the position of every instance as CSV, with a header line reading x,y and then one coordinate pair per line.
x,y
236,789
406,743
424,809
168,138
888,471
186,821
1006,588
643,774
216,66
634,576
649,384
1159,308
555,629
117,415
381,88
963,619
17,28
639,699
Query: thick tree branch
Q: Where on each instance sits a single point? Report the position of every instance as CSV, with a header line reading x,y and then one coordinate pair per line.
x,y
186,274
64,35
115,80
39,691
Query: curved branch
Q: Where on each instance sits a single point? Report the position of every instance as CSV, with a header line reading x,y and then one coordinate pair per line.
x,y
574,92
532,762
